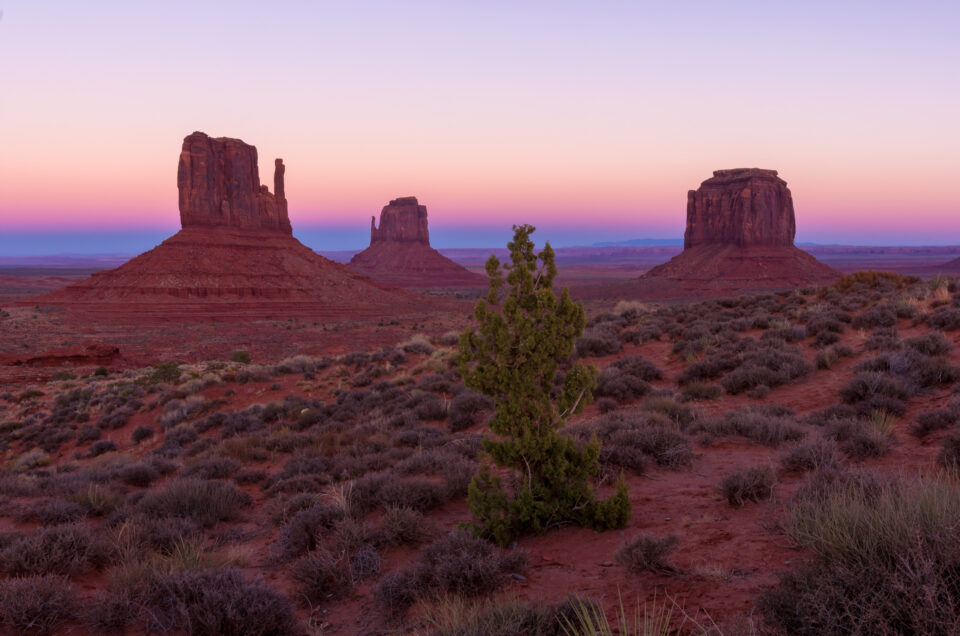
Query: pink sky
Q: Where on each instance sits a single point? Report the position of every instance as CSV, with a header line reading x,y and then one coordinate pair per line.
x,y
568,115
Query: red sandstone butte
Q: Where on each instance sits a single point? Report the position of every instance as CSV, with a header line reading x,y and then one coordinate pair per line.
x,y
739,237
234,257
400,252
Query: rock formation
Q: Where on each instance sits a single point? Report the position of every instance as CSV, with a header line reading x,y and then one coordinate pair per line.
x,y
400,252
743,207
404,220
235,255
739,237
219,184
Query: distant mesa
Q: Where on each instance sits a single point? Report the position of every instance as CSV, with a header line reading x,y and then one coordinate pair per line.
x,y
400,252
739,237
235,254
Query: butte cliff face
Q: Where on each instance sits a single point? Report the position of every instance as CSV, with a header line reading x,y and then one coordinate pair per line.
x,y
219,184
744,207
234,257
739,237
400,252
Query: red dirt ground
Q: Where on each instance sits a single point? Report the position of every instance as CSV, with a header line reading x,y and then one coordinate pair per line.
x,y
726,557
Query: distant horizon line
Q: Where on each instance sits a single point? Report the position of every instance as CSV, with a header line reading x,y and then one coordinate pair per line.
x,y
116,255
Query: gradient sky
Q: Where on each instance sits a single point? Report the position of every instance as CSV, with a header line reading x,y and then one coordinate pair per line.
x,y
590,120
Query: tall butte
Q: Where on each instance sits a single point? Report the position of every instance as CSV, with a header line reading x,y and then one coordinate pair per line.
x,y
739,237
400,252
235,255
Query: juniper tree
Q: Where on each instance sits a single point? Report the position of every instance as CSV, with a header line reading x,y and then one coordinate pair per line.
x,y
524,335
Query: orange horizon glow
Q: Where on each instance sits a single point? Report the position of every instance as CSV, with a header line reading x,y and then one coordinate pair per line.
x,y
598,116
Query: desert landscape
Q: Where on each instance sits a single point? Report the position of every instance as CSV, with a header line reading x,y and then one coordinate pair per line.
x,y
589,426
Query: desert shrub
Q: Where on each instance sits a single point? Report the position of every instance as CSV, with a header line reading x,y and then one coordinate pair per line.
x,y
164,373
418,493
933,343
884,339
812,455
97,500
626,379
949,454
748,484
945,319
647,553
877,316
667,447
621,387
454,564
216,603
305,529
601,340
48,512
402,526
466,408
700,391
769,367
826,358
117,418
205,502
680,414
88,434
243,357
418,344
103,446
868,384
36,604
931,421
141,433
866,441
322,576
63,549
769,426
212,468
886,556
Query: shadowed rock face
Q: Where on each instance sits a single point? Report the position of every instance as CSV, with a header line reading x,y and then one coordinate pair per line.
x,y
745,207
219,184
404,220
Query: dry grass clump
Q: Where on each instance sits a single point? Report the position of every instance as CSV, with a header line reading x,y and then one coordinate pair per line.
x,y
813,455
748,484
886,558
204,502
64,549
647,553
36,604
700,391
